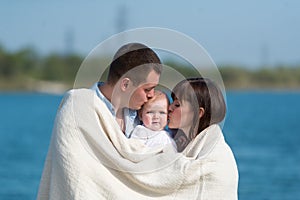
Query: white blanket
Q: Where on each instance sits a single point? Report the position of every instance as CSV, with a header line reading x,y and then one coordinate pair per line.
x,y
90,158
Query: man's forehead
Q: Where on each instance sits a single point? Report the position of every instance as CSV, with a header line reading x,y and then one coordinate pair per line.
x,y
145,85
153,77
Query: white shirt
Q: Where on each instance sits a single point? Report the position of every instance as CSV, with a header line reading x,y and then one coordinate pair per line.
x,y
152,138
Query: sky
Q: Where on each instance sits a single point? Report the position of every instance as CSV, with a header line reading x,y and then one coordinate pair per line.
x,y
249,33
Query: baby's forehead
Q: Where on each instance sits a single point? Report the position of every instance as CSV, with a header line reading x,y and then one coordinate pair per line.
x,y
159,103
157,100
156,108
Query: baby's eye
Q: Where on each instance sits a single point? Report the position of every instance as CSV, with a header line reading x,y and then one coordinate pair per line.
x,y
162,113
150,112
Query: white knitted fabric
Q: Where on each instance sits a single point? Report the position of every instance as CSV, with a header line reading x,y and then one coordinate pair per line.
x,y
90,158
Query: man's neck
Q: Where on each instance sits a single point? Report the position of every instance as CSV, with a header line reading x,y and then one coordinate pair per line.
x,y
107,91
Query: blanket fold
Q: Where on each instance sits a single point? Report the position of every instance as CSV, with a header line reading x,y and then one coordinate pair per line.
x,y
90,158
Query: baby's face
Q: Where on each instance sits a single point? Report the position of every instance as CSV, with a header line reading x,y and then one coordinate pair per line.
x,y
155,114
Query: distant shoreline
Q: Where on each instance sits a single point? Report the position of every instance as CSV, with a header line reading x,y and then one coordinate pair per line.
x,y
279,79
34,86
58,89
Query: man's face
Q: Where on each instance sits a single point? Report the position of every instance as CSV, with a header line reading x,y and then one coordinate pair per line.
x,y
144,91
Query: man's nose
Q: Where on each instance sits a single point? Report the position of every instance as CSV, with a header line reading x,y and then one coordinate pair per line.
x,y
150,94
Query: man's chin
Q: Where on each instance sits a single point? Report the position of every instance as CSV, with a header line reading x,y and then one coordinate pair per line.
x,y
136,108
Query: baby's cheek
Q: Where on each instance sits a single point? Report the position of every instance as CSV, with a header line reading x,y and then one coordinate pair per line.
x,y
147,121
164,120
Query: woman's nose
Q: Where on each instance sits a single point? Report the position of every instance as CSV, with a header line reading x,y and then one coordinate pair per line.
x,y
170,108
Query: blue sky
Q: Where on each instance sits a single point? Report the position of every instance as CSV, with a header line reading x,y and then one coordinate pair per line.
x,y
249,33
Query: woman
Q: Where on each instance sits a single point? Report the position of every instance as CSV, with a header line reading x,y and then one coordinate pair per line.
x,y
197,103
198,106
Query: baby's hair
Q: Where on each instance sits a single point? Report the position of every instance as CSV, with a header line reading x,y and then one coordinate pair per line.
x,y
157,96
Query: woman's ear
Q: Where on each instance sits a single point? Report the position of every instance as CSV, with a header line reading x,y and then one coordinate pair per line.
x,y
125,83
201,112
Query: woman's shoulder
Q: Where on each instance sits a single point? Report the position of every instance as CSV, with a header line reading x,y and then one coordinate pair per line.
x,y
219,148
205,142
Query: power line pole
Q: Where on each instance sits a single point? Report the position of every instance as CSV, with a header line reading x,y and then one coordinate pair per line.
x,y
69,42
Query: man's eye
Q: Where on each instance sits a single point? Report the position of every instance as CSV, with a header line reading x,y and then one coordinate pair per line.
x,y
149,89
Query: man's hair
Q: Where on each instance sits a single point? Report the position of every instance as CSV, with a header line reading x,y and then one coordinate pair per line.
x,y
134,61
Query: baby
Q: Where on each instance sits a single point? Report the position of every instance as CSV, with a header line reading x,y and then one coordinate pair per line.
x,y
154,115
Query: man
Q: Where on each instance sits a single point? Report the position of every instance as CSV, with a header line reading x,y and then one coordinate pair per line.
x,y
86,126
133,75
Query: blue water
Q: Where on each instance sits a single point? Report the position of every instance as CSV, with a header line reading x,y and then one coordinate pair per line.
x,y
262,129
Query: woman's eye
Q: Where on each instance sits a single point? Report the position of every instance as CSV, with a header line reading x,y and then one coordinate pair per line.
x,y
177,105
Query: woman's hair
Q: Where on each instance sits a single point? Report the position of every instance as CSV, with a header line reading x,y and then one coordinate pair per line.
x,y
201,92
135,61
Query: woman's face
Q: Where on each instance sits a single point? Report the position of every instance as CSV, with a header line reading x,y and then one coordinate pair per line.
x,y
181,115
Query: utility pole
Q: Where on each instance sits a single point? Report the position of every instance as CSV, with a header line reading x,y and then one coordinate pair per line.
x,y
69,42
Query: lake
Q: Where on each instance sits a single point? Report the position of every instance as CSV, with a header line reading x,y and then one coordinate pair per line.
x,y
262,129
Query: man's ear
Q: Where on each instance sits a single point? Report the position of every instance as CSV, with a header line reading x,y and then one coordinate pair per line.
x,y
124,83
201,112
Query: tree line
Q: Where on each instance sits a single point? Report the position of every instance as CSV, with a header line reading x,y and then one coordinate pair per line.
x,y
28,63
16,68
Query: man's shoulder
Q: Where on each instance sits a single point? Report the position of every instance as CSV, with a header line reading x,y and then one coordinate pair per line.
x,y
78,95
78,92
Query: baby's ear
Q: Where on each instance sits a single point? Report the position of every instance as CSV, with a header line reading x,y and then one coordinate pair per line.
x,y
201,112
